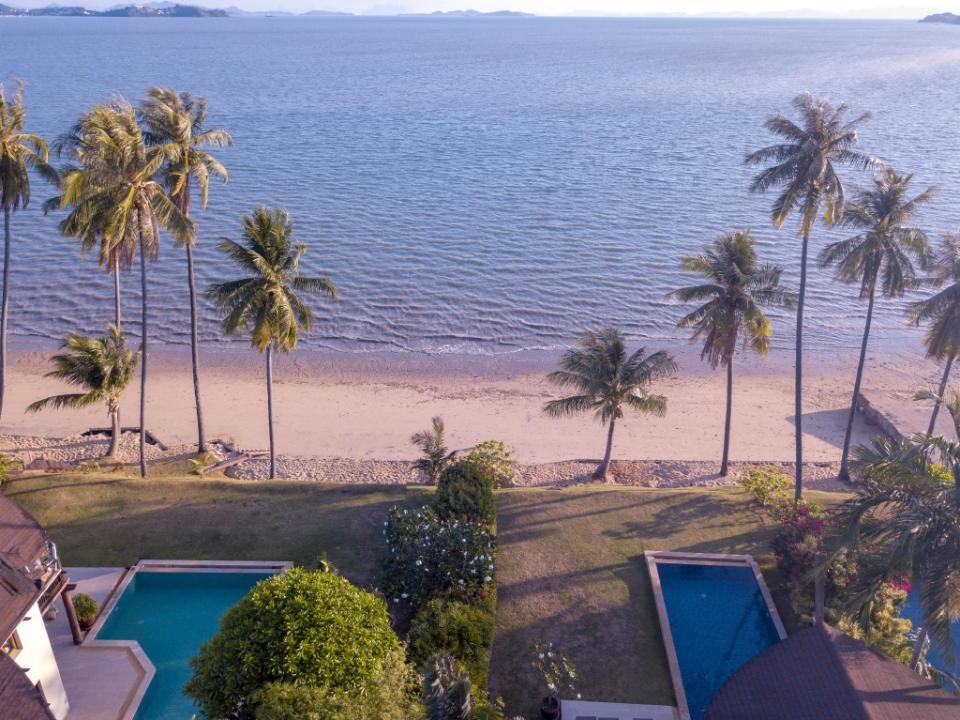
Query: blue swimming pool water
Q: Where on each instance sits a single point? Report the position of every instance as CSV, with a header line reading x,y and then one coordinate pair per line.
x,y
719,621
171,614
911,611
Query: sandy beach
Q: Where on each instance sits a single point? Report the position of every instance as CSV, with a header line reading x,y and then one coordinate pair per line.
x,y
366,406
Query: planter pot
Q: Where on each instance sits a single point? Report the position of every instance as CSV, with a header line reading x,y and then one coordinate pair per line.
x,y
85,625
550,708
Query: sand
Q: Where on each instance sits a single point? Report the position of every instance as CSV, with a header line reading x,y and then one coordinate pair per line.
x,y
366,407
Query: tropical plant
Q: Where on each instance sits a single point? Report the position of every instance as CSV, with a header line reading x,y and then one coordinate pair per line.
x,y
86,609
729,304
20,152
114,190
103,367
942,312
268,303
433,446
495,459
557,670
768,485
881,254
607,380
465,492
178,121
803,165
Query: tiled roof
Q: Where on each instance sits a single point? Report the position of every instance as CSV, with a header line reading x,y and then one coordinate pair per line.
x,y
19,699
821,674
22,543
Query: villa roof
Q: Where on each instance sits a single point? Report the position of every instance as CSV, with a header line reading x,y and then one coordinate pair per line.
x,y
21,700
22,543
821,674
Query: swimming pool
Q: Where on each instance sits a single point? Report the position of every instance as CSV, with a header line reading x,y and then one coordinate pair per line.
x,y
170,609
715,615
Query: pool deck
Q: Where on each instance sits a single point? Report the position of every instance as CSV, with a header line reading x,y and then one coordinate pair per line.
x,y
652,558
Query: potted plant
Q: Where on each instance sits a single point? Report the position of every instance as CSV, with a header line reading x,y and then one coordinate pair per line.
x,y
86,609
559,676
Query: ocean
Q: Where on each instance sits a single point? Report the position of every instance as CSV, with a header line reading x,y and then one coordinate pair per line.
x,y
488,185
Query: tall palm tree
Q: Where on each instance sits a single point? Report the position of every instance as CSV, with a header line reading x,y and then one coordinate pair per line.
x,y
803,166
607,380
178,120
103,367
883,252
268,302
20,152
729,307
115,187
942,312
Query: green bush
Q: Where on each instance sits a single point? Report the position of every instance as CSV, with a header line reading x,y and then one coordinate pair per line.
x,y
454,628
495,460
299,627
86,608
768,485
464,492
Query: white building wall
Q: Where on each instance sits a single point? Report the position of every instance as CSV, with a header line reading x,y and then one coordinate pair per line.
x,y
36,657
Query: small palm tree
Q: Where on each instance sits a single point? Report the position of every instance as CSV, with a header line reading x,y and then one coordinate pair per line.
x,y
729,307
607,380
268,303
20,152
804,166
102,366
942,312
178,121
432,444
883,253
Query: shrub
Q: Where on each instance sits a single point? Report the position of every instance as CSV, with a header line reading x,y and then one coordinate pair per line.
x,y
86,608
495,460
300,627
881,626
428,557
767,484
454,628
799,539
448,693
465,492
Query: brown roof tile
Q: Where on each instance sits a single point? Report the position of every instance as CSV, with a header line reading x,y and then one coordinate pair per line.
x,y
19,699
22,543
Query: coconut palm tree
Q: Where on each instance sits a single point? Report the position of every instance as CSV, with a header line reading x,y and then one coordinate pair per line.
x,y
606,381
435,456
114,188
20,152
729,303
268,302
942,312
103,367
803,166
178,121
882,253
905,516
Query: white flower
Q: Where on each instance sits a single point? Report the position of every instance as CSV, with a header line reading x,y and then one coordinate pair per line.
x,y
488,579
418,563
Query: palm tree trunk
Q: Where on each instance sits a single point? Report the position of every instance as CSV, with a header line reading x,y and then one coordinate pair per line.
x,y
918,648
143,358
724,463
845,455
936,403
195,349
273,455
116,295
603,472
4,303
798,370
115,432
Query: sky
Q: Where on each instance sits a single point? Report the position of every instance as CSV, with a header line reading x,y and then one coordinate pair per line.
x,y
903,9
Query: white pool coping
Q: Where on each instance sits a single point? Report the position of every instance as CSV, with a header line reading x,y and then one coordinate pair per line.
x,y
132,703
653,558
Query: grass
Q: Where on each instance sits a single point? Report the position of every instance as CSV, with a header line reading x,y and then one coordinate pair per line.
x,y
571,571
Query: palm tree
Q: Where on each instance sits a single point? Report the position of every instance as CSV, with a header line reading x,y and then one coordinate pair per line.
x,y
435,454
737,285
606,381
804,166
20,152
942,311
115,189
266,303
103,367
882,252
178,120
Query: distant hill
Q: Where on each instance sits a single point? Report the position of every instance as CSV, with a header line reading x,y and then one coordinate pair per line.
x,y
157,10
948,18
471,13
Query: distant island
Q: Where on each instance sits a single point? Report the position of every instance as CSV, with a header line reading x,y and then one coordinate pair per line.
x,y
470,13
120,11
948,18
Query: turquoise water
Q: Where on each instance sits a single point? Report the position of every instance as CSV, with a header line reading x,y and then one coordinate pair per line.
x,y
171,614
719,621
911,611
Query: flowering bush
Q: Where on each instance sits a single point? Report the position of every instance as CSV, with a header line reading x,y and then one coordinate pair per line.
x,y
559,674
428,557
798,539
494,459
768,485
